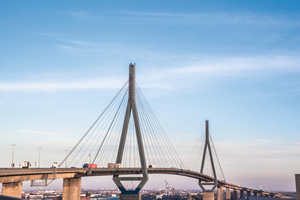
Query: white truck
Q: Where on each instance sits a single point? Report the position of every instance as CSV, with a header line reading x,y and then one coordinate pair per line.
x,y
55,165
113,165
26,165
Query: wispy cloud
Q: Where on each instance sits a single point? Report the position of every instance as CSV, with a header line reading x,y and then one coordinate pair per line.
x,y
205,70
232,65
235,18
90,16
81,84
39,132
82,14
77,49
260,140
80,46
80,42
264,150
285,92
50,34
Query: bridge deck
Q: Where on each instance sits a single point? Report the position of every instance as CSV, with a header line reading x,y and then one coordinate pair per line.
x,y
17,174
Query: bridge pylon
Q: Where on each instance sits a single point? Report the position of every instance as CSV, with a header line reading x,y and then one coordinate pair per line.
x,y
131,108
208,194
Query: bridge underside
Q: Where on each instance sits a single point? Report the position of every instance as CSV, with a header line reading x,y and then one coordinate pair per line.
x,y
11,179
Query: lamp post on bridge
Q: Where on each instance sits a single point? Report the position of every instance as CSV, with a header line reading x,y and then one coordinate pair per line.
x,y
40,148
12,162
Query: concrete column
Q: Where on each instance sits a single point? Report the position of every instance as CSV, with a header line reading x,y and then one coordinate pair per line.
x,y
228,194
12,189
235,196
71,189
297,179
220,193
242,196
208,196
130,197
255,194
248,194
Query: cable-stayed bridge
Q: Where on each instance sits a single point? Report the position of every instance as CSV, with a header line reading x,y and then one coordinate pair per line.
x,y
127,139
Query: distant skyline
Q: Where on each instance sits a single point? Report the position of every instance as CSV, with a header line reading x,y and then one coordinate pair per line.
x,y
236,63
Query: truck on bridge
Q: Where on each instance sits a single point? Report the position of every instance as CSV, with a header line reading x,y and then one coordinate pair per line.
x,y
26,165
55,165
87,165
113,165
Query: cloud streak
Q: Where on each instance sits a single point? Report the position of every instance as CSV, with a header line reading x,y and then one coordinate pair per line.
x,y
237,18
39,132
193,73
260,140
42,86
209,70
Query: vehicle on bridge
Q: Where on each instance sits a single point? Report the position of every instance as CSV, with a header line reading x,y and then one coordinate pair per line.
x,y
86,165
55,165
26,165
113,165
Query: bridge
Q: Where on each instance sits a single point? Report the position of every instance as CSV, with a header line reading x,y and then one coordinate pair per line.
x,y
127,136
18,175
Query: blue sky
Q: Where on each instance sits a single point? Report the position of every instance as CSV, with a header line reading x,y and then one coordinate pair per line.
x,y
235,63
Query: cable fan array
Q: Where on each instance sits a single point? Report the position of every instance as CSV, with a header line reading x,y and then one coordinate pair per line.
x,y
193,160
99,145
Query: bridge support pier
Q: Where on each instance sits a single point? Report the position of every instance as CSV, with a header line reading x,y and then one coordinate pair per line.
x,y
242,195
297,180
220,193
130,197
255,194
71,188
208,196
228,194
234,194
12,189
248,194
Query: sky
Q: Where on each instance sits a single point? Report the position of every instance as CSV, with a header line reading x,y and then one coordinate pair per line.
x,y
235,63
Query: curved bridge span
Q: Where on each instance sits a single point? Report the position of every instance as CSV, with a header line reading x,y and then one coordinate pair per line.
x,y
16,175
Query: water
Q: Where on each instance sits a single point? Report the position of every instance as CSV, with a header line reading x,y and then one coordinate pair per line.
x,y
92,198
